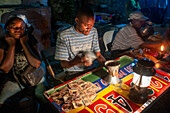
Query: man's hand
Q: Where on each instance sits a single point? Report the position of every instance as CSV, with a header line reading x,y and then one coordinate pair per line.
x,y
81,59
10,40
147,31
144,32
88,63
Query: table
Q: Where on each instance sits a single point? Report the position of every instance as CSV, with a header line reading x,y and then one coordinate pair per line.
x,y
112,99
140,53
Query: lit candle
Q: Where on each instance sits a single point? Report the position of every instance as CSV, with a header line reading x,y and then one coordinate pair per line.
x,y
162,48
160,54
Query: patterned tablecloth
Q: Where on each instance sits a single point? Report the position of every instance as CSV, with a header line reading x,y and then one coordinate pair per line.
x,y
111,99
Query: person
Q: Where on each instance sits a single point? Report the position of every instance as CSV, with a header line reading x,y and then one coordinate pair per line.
x,y
167,33
17,50
73,42
133,35
166,37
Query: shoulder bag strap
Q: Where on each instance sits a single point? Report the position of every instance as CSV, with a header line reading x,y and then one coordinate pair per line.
x,y
16,79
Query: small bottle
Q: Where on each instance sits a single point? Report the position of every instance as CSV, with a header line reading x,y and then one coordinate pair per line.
x,y
146,28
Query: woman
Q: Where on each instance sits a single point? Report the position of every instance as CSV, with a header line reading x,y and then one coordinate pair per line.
x,y
17,51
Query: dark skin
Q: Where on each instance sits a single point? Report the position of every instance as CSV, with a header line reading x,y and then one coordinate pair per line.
x,y
16,31
84,24
137,24
140,23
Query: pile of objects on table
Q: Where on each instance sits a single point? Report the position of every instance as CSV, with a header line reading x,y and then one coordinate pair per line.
x,y
75,94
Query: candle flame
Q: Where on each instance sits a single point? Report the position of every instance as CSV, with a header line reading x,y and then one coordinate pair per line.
x,y
157,65
162,48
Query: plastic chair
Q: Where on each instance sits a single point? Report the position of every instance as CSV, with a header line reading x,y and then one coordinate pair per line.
x,y
108,38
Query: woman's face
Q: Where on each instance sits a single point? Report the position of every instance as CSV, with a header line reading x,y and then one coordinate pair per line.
x,y
84,24
16,28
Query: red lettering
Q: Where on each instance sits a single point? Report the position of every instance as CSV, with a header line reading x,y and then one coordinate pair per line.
x,y
157,84
121,73
98,107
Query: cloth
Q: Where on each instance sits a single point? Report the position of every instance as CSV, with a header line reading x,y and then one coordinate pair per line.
x,y
162,4
148,3
10,88
126,38
70,42
162,11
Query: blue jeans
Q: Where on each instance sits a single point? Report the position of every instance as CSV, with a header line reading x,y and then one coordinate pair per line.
x,y
10,88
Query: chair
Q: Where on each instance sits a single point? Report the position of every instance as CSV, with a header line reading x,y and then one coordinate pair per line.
x,y
53,66
108,38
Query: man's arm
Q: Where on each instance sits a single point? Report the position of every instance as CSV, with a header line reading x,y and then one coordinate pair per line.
x,y
101,60
67,64
155,46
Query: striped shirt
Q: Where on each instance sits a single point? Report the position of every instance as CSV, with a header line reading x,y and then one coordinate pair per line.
x,y
126,38
70,42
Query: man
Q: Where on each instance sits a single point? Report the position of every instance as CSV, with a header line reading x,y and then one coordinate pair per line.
x,y
133,35
74,41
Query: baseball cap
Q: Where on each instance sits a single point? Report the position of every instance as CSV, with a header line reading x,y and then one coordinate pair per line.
x,y
24,18
137,15
21,16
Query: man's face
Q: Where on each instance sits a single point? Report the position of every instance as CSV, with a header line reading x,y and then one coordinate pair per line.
x,y
17,28
84,24
138,23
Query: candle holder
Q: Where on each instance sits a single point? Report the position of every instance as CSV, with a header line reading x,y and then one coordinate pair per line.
x,y
160,56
